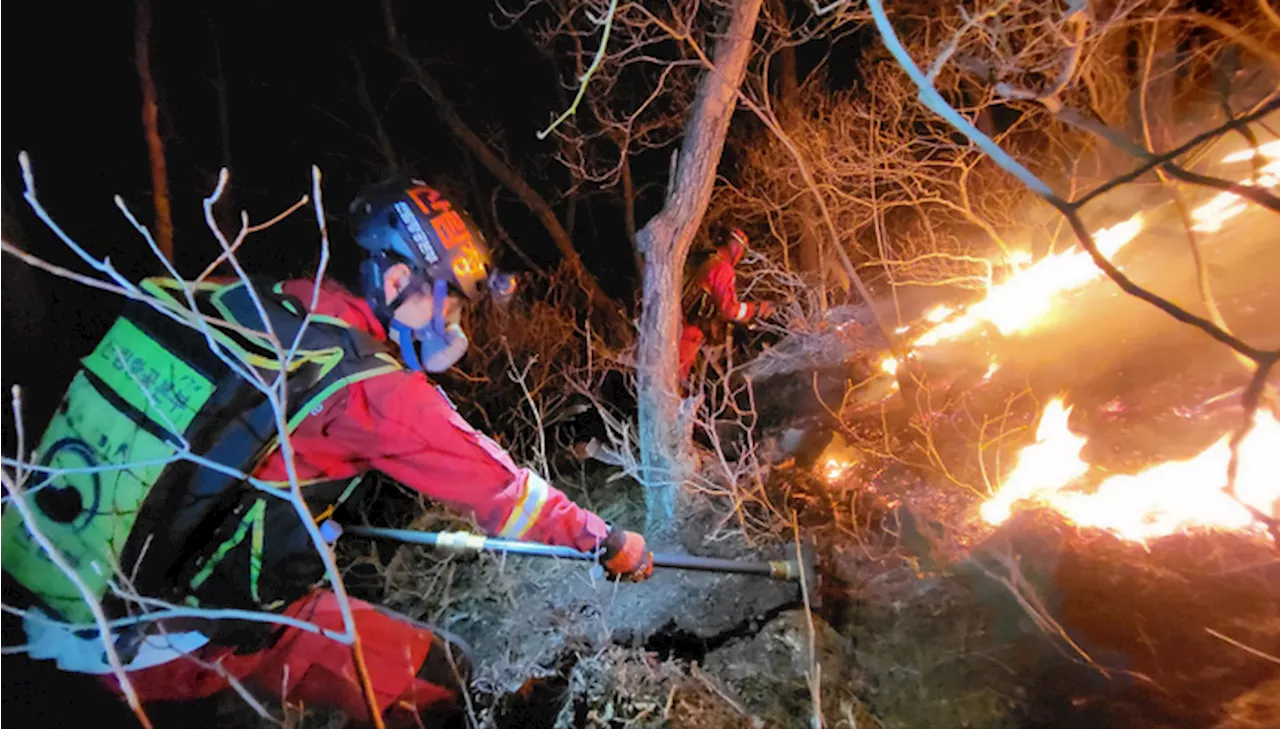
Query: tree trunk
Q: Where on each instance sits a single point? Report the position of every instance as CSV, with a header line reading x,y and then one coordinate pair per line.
x,y
512,180
629,212
380,136
809,245
225,212
155,146
665,241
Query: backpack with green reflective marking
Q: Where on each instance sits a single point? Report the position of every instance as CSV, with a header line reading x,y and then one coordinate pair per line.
x,y
118,498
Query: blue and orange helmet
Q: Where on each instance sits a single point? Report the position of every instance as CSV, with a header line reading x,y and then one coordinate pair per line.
x,y
413,223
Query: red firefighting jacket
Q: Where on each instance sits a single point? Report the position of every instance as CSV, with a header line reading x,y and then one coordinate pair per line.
x,y
718,279
401,425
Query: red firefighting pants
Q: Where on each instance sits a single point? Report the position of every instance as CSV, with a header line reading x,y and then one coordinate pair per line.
x,y
691,338
304,667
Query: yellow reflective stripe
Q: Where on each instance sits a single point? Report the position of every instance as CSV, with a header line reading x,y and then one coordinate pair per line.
x,y
533,496
328,512
251,519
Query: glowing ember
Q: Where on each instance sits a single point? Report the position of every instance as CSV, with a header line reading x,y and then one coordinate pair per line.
x,y
834,468
938,313
1166,498
1024,300
992,368
889,365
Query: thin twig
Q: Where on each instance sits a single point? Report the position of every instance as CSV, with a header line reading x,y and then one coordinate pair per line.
x,y
1249,649
813,675
586,77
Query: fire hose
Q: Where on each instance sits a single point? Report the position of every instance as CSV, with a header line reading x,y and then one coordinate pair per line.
x,y
797,570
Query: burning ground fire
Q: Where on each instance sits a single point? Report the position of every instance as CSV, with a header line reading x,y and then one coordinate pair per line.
x,y
1024,300
1165,498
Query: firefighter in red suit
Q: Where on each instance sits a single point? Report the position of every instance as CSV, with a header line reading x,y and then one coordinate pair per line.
x,y
711,298
424,260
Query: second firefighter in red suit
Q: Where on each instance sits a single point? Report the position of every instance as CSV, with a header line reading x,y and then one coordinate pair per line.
x,y
711,298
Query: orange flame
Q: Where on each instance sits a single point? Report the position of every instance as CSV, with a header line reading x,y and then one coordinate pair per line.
x,y
1025,299
1164,499
1211,216
1045,466
1021,302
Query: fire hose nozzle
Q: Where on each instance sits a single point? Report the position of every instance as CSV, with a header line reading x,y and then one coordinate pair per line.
x,y
799,570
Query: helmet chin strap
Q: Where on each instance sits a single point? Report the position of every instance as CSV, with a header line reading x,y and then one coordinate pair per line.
x,y
408,337
408,340
439,294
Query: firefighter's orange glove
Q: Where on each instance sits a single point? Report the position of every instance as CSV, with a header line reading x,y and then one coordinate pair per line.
x,y
766,309
625,555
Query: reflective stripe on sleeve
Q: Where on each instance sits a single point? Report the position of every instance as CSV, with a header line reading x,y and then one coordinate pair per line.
x,y
533,496
742,311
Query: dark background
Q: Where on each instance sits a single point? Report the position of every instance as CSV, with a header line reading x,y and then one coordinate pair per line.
x,y
72,101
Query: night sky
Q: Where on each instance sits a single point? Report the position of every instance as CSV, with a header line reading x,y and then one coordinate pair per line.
x,y
72,100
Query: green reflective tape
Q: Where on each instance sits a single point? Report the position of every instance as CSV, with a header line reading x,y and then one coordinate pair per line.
x,y
332,388
149,377
346,493
257,514
91,514
253,518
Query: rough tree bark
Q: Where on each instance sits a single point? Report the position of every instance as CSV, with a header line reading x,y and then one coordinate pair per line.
x,y
665,241
151,128
509,178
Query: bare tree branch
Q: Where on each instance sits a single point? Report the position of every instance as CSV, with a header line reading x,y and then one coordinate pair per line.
x,y
511,179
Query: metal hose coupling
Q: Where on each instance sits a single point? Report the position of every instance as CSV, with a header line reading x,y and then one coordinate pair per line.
x,y
460,541
784,570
